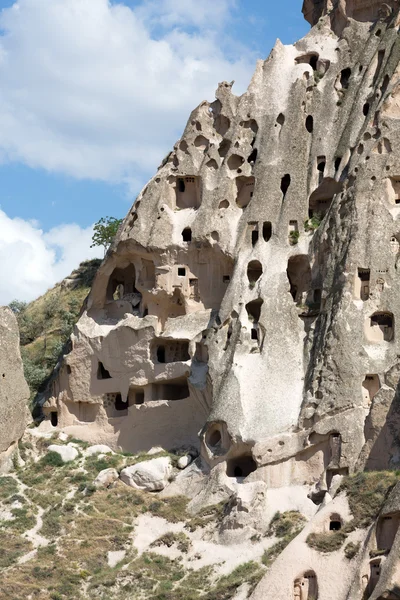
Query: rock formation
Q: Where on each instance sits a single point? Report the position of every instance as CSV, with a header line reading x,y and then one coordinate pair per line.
x,y
14,392
252,293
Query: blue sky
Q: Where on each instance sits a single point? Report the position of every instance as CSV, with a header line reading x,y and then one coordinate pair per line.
x,y
93,95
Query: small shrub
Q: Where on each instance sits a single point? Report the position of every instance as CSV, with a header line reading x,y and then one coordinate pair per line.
x,y
181,540
52,459
294,237
283,524
326,542
351,550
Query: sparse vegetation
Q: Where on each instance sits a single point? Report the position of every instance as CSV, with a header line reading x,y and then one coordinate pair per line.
x,y
351,550
286,526
46,324
326,542
181,540
294,237
313,223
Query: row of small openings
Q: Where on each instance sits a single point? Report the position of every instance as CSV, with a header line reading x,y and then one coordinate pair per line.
x,y
120,405
182,273
266,232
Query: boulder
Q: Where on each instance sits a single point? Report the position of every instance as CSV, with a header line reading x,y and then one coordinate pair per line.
x,y
150,475
184,461
67,453
105,478
98,449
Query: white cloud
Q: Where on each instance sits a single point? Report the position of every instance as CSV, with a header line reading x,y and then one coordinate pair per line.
x,y
31,261
100,90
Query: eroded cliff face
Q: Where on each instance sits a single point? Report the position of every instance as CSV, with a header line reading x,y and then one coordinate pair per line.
x,y
250,303
14,392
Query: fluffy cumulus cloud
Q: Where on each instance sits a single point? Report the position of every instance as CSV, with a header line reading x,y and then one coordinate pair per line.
x,y
31,261
98,89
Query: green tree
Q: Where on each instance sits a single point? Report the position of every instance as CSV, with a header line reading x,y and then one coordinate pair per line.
x,y
17,306
105,231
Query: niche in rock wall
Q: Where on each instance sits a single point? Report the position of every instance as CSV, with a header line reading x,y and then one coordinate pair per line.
x,y
136,396
245,190
241,466
299,275
188,192
254,233
370,387
321,164
169,351
201,354
375,567
285,184
308,59
177,389
306,587
54,418
394,244
380,327
393,188
254,271
253,309
345,78
122,285
386,531
335,450
147,276
335,522
321,199
362,284
194,293
102,372
267,231
187,235
120,405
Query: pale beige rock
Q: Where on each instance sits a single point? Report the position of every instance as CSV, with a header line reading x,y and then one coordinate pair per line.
x,y
106,478
150,475
98,449
67,453
14,392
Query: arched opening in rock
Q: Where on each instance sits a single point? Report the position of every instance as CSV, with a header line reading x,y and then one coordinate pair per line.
x,y
235,162
362,285
387,528
245,190
102,372
201,142
253,227
214,438
224,148
188,193
381,327
280,119
306,586
119,404
169,351
345,78
267,231
308,59
54,418
299,275
122,283
310,123
285,184
253,309
254,271
393,189
335,523
241,466
253,156
187,235
366,109
321,199
171,390
375,573
370,387
139,397
321,164
335,450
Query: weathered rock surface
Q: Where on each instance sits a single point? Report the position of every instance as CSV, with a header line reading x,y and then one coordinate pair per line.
x,y
98,449
14,392
150,475
105,478
67,453
252,294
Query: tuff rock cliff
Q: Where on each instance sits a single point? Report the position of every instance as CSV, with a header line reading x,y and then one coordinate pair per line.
x,y
14,392
248,307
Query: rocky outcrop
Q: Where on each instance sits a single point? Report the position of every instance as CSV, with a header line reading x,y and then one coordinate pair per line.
x,y
252,292
14,392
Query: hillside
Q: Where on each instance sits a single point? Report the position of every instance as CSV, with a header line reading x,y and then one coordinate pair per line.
x,y
46,323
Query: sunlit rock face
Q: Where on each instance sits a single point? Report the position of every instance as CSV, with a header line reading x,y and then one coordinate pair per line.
x,y
249,306
14,392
